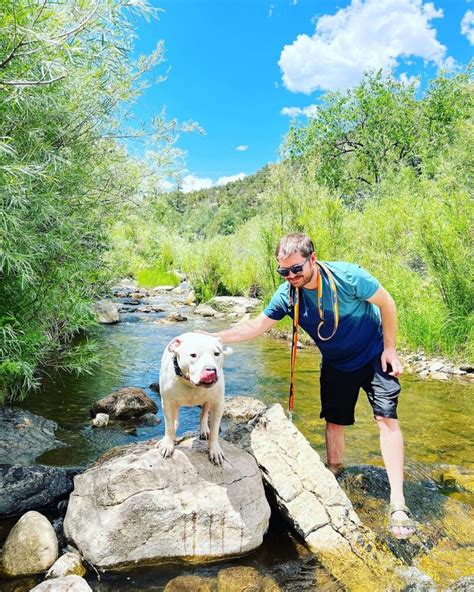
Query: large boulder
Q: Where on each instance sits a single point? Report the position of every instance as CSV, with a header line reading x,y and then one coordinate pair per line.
x,y
31,546
125,403
309,497
25,436
234,304
135,507
32,488
66,584
106,312
241,408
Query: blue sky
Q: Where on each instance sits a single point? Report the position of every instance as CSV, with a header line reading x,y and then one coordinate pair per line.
x,y
243,68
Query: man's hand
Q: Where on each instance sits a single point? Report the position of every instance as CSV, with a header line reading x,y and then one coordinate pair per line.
x,y
389,356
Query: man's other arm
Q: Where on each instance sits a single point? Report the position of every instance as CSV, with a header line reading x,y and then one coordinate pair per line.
x,y
388,312
246,330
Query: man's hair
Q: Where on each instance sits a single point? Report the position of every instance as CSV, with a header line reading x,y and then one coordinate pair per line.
x,y
292,243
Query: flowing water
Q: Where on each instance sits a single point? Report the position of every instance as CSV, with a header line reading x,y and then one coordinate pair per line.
x,y
436,419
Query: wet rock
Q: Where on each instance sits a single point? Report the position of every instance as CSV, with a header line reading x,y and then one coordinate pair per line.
x,y
189,584
416,581
125,403
310,499
207,311
138,295
101,420
177,317
30,548
149,419
242,408
191,298
155,387
467,368
125,285
106,312
67,584
439,376
237,304
152,509
33,488
131,302
435,366
159,289
25,436
68,564
454,477
465,584
238,579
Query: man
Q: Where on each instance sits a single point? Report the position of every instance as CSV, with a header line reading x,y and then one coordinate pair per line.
x,y
354,326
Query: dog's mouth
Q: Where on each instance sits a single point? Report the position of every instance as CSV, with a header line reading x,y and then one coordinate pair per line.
x,y
208,377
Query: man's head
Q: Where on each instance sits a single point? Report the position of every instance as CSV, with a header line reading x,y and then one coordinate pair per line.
x,y
296,260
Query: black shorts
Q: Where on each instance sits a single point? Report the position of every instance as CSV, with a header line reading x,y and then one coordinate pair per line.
x,y
340,390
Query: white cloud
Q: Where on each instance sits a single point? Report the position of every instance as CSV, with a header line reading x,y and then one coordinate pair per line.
x,y
224,180
467,26
368,34
309,111
242,148
192,183
270,10
165,185
407,80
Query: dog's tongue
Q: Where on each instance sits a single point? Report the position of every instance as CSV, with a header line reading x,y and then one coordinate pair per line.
x,y
208,376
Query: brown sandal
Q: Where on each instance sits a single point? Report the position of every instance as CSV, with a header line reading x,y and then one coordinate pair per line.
x,y
401,522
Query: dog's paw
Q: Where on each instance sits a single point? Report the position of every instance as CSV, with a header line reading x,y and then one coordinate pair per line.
x,y
204,434
165,447
216,455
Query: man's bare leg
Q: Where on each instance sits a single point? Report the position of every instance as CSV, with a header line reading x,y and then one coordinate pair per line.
x,y
334,446
391,446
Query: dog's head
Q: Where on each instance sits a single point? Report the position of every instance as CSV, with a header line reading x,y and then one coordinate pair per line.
x,y
200,357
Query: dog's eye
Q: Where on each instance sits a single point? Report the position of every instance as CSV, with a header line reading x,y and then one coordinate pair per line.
x,y
217,354
193,355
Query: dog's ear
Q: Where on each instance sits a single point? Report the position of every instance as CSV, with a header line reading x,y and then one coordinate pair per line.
x,y
173,346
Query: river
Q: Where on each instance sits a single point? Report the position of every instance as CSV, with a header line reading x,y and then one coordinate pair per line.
x,y
436,419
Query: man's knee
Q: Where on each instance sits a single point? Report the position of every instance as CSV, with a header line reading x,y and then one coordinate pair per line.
x,y
334,427
387,423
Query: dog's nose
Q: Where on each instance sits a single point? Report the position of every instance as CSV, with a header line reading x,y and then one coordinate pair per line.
x,y
210,368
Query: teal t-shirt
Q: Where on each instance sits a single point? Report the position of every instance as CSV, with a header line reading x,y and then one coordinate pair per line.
x,y
358,338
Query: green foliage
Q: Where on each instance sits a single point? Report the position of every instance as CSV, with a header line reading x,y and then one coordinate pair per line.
x,y
156,276
65,75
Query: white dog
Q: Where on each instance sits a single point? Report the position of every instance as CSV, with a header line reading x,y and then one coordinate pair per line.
x,y
191,374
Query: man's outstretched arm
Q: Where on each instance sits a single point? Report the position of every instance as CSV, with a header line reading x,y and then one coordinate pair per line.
x,y
246,330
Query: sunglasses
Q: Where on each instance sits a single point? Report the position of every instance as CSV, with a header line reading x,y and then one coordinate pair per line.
x,y
294,269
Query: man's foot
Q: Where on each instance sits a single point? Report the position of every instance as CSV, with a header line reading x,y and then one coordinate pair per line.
x,y
402,526
336,469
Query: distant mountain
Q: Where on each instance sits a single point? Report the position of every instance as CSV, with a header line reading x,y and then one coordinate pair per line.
x,y
218,210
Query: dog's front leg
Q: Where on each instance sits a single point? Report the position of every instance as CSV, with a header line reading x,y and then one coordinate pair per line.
x,y
215,451
204,422
166,444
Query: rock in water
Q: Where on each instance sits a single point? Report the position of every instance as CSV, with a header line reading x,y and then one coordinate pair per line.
x,y
310,499
135,507
25,436
32,488
125,403
66,584
30,548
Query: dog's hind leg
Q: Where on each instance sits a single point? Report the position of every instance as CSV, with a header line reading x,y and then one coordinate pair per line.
x,y
204,422
215,451
166,444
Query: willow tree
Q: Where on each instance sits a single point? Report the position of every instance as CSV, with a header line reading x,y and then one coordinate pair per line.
x,y
66,81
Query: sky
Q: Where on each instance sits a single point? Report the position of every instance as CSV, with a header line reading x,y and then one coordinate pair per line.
x,y
244,69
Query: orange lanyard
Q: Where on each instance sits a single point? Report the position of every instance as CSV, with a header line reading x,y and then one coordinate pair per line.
x,y
295,301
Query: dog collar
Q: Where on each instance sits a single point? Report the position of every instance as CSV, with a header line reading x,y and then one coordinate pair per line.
x,y
179,372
